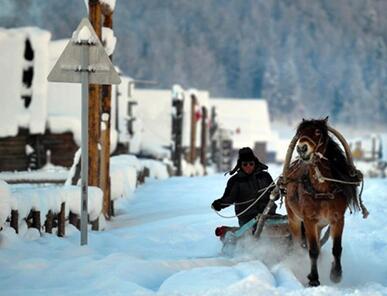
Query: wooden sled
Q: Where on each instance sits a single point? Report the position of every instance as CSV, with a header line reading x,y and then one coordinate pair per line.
x,y
275,228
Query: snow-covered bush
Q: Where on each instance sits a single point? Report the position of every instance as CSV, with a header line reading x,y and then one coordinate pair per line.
x,y
5,197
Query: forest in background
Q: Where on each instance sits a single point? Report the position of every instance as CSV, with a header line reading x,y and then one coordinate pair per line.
x,y
307,58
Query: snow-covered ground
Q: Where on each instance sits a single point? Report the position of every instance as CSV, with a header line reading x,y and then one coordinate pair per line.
x,y
162,242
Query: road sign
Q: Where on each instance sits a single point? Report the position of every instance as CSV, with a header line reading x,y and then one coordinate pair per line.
x,y
84,61
100,68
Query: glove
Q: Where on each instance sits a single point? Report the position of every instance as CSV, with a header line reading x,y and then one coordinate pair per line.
x,y
217,205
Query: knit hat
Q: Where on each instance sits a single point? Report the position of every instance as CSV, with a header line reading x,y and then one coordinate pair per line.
x,y
246,154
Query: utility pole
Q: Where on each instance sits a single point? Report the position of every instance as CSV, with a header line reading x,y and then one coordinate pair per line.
x,y
94,104
105,131
193,130
203,142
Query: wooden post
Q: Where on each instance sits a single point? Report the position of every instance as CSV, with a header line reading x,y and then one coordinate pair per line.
x,y
94,104
49,222
213,141
61,221
105,134
15,220
112,208
193,130
74,220
95,224
36,220
177,130
203,142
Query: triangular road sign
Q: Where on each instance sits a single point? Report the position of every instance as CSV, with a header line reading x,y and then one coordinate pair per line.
x,y
68,65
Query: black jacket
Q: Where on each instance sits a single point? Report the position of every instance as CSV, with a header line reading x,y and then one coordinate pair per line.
x,y
241,188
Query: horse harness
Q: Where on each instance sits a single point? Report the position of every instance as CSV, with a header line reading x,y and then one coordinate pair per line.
x,y
308,186
310,190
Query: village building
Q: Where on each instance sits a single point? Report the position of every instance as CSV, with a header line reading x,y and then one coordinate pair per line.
x,y
41,119
248,124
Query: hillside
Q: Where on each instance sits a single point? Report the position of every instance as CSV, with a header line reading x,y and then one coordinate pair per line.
x,y
308,58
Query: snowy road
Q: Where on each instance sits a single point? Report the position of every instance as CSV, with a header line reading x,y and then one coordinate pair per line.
x,y
162,243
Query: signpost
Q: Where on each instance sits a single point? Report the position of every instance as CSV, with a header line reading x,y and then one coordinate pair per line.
x,y
84,61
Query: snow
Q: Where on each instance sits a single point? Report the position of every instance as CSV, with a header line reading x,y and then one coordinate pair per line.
x,y
108,40
71,174
12,63
5,196
124,169
154,140
10,80
161,243
110,3
248,119
177,92
120,92
24,199
37,111
48,172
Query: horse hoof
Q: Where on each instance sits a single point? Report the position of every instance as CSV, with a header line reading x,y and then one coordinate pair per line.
x,y
314,283
336,275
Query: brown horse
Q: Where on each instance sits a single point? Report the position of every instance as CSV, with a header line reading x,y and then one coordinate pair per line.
x,y
320,185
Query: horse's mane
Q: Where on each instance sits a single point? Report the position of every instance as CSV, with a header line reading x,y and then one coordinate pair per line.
x,y
337,160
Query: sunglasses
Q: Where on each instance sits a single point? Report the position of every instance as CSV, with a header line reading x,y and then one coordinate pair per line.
x,y
248,163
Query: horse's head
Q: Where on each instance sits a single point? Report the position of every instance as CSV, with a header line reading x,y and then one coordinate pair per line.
x,y
312,136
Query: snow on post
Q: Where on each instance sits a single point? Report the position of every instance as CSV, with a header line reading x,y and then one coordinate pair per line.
x,y
110,4
177,92
108,40
84,34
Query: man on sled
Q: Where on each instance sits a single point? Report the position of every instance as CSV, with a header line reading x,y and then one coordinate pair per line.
x,y
249,181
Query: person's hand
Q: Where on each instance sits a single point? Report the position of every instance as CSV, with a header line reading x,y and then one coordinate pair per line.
x,y
217,205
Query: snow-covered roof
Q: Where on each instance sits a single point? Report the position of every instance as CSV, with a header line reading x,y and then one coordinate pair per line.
x,y
248,119
12,64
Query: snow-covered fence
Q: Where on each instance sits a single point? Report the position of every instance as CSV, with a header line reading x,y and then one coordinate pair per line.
x,y
51,205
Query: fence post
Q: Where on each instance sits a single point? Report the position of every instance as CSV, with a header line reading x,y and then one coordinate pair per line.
x,y
61,220
48,224
203,142
15,220
177,133
214,143
193,130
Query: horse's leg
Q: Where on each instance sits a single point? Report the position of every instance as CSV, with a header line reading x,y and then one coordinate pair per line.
x,y
303,238
337,232
294,226
314,250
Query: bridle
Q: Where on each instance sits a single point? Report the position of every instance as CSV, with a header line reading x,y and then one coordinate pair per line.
x,y
316,146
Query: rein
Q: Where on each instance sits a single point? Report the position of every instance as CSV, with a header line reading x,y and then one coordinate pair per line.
x,y
249,207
